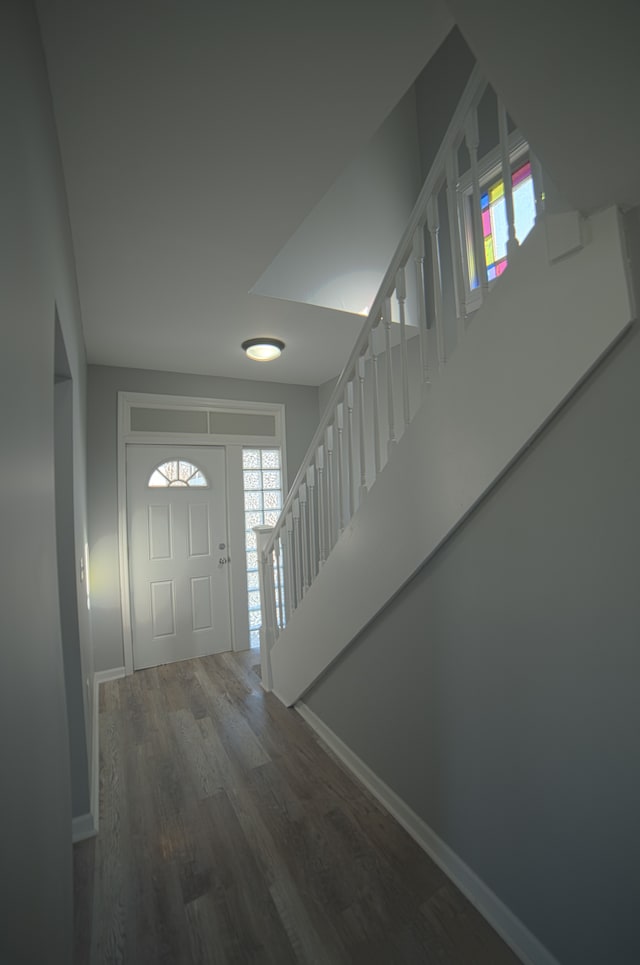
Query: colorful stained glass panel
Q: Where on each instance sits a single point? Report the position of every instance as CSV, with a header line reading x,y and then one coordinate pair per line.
x,y
495,228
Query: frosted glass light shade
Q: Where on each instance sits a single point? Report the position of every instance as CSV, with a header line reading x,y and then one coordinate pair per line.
x,y
263,349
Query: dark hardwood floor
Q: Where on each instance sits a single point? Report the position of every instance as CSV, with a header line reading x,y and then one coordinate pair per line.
x,y
228,834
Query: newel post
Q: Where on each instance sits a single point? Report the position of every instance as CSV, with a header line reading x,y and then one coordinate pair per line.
x,y
267,603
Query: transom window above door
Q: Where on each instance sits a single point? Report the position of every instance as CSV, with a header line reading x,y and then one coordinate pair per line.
x,y
177,473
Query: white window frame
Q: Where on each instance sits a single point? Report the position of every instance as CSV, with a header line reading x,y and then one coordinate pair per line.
x,y
489,168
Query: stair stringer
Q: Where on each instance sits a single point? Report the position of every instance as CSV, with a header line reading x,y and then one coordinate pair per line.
x,y
539,333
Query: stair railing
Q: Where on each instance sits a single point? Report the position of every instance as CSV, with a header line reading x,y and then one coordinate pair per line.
x,y
386,377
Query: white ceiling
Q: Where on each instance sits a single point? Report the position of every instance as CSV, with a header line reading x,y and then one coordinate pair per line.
x,y
195,138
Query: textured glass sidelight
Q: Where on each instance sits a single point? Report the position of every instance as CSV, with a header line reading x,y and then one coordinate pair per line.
x,y
177,473
262,478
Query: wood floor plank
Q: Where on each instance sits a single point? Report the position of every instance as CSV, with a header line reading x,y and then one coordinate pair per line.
x,y
229,835
236,735
258,933
302,923
316,869
191,746
461,929
109,696
194,695
113,897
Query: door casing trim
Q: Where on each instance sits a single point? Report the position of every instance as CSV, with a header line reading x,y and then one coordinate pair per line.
x,y
232,446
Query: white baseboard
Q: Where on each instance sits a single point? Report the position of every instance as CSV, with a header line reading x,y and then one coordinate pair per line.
x,y
83,827
525,945
101,676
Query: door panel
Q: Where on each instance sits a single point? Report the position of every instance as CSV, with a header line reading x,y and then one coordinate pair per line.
x,y
199,544
160,533
163,609
180,605
201,609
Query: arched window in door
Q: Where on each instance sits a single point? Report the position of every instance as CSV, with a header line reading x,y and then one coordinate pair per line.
x,y
177,473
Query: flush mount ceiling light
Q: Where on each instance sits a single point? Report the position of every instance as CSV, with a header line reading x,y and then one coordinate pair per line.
x,y
263,349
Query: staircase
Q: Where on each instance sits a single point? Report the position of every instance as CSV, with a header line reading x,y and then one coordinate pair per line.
x,y
452,376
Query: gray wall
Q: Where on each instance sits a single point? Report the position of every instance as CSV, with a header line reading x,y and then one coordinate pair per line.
x,y
36,277
301,417
438,90
582,58
324,394
498,694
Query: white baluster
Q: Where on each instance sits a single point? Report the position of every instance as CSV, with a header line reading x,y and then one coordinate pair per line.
x,y
267,603
512,241
538,185
297,544
304,536
419,254
391,429
340,460
331,524
282,577
433,223
311,488
401,295
290,588
361,427
351,488
321,499
373,338
455,240
278,586
473,140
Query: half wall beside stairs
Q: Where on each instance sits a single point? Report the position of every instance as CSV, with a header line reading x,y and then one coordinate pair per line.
x,y
537,336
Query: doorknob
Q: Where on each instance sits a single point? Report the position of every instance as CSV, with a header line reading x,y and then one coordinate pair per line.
x,y
223,560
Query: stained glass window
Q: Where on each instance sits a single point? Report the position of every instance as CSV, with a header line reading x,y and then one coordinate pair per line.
x,y
495,229
177,473
262,476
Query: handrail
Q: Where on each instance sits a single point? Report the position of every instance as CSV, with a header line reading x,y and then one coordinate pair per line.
x,y
471,96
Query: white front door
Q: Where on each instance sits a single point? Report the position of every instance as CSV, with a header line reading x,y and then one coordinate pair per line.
x,y
179,574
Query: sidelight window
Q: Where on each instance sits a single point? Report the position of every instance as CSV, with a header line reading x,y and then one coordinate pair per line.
x,y
262,474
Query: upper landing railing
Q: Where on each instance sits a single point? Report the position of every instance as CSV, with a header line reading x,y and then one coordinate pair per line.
x,y
466,215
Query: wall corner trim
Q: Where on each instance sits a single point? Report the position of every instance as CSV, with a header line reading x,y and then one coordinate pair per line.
x,y
101,676
510,928
83,827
